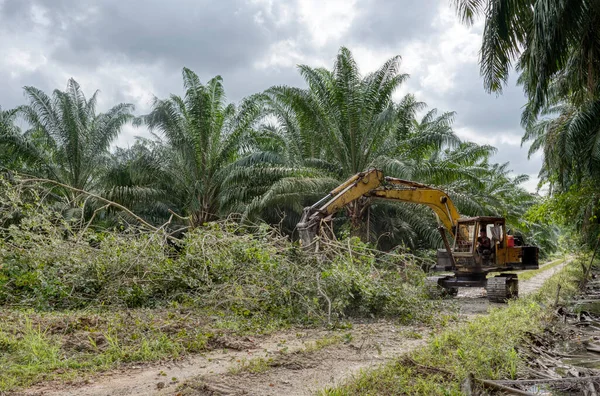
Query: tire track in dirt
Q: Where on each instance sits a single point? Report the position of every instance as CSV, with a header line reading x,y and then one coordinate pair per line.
x,y
366,345
305,374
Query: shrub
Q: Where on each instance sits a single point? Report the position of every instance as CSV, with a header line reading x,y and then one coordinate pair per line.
x,y
51,263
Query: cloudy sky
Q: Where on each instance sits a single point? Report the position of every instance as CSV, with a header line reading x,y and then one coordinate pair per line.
x,y
133,49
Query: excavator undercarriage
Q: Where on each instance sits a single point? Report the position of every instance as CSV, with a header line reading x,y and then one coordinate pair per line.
x,y
464,255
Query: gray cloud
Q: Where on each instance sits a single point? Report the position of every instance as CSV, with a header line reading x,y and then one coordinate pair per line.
x,y
487,113
392,22
517,156
11,94
213,36
135,48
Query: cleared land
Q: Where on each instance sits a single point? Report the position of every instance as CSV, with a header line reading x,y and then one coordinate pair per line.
x,y
292,362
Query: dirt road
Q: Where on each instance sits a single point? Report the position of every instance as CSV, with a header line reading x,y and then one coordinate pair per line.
x,y
297,362
306,361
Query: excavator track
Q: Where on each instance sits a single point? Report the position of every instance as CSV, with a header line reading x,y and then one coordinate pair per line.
x,y
435,290
502,288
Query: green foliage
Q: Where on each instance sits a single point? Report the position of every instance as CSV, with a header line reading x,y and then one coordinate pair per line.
x,y
68,142
556,48
554,44
574,211
265,158
203,136
49,264
63,345
344,123
11,145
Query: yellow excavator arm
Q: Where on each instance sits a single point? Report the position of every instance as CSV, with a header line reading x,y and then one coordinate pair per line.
x,y
374,184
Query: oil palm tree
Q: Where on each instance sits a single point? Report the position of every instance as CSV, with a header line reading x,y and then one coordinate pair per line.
x,y
568,136
555,46
555,43
340,125
333,129
68,141
11,144
344,122
199,136
134,178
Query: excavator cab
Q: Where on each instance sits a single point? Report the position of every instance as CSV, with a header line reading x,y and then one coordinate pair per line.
x,y
501,255
470,249
471,262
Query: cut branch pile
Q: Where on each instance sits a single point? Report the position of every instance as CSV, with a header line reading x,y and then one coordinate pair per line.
x,y
52,261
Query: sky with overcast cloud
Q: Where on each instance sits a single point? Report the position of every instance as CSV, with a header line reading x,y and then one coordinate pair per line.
x,y
132,50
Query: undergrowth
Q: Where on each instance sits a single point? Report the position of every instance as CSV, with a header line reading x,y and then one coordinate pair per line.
x,y
485,347
49,263
36,346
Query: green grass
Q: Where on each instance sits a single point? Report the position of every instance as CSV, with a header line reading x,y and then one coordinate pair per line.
x,y
38,347
485,347
260,365
325,342
255,365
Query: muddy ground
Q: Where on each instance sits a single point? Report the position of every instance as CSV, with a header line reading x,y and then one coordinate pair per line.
x,y
295,362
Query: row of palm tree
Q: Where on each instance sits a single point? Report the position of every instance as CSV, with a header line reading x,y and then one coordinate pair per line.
x,y
267,157
555,46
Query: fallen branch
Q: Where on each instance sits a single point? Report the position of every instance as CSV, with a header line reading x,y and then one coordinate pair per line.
x,y
186,218
90,222
321,292
549,381
98,197
500,387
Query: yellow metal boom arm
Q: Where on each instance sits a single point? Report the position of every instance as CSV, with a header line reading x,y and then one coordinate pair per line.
x,y
373,184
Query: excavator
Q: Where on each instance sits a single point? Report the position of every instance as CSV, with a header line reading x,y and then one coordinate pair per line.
x,y
470,260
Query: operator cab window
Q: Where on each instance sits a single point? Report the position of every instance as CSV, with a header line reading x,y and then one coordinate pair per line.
x,y
465,236
495,232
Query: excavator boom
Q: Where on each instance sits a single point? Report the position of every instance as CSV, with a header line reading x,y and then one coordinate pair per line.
x,y
373,184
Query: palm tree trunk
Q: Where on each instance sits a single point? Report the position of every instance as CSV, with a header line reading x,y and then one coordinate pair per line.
x,y
206,213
